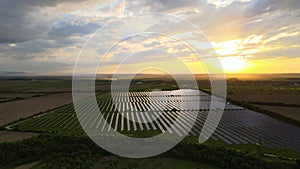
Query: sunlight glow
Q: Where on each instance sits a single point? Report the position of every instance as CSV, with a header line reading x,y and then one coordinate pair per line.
x,y
234,64
227,48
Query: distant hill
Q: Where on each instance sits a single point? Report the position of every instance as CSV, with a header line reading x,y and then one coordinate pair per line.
x,y
11,73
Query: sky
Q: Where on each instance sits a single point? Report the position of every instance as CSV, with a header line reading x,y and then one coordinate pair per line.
x,y
246,36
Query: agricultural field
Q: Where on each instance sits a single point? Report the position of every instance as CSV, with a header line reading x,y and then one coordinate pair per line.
x,y
7,97
279,95
145,114
287,99
34,85
15,110
8,136
286,105
290,112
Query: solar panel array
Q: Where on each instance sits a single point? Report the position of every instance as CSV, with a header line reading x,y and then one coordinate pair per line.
x,y
147,111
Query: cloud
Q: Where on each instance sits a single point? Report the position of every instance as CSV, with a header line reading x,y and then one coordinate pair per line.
x,y
72,25
161,5
33,3
24,20
38,67
258,7
30,49
35,30
292,52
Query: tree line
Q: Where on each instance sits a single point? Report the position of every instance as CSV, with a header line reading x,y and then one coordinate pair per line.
x,y
76,152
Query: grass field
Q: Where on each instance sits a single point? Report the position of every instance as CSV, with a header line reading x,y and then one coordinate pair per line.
x,y
33,85
149,163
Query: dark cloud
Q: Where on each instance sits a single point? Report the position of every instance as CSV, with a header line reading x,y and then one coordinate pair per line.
x,y
29,49
23,57
23,20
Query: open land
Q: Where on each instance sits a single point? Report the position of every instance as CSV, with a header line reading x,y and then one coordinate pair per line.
x,y
291,112
288,99
16,95
12,111
8,136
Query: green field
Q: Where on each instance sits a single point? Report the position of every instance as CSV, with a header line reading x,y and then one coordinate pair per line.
x,y
150,163
59,120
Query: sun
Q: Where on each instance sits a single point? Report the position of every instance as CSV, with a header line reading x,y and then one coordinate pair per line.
x,y
234,64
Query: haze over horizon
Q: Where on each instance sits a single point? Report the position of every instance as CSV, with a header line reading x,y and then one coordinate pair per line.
x,y
249,36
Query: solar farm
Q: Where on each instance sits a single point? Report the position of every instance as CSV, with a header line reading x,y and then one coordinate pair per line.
x,y
155,112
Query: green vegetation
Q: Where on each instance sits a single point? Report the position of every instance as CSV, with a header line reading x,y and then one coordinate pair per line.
x,y
64,144
32,85
147,85
229,158
62,119
275,104
259,150
112,162
55,151
259,87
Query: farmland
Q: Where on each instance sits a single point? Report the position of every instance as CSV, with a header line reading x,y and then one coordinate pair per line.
x,y
7,136
34,85
286,105
146,114
15,110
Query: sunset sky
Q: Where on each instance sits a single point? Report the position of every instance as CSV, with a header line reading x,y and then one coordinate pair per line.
x,y
248,36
